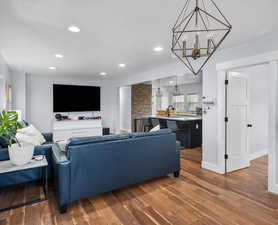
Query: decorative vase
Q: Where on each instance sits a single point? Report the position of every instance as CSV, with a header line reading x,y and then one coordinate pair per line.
x,y
20,155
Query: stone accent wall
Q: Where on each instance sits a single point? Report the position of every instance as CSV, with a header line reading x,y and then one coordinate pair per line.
x,y
141,100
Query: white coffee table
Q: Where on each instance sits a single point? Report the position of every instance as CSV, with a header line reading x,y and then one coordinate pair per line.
x,y
8,167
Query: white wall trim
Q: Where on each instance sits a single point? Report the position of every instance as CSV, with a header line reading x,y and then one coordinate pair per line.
x,y
273,188
270,59
259,154
212,167
248,61
272,134
221,76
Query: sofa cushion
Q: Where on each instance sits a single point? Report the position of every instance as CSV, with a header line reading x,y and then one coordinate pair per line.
x,y
96,139
4,154
154,133
39,150
3,142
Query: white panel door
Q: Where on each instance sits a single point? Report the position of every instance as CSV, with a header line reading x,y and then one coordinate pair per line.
x,y
237,131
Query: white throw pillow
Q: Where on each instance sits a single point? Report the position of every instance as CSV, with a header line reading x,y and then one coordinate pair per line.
x,y
33,132
62,145
156,128
27,139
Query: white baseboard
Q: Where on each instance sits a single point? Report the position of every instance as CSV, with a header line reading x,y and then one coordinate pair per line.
x,y
258,154
273,188
212,167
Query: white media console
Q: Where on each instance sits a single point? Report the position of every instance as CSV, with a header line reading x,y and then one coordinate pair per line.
x,y
62,130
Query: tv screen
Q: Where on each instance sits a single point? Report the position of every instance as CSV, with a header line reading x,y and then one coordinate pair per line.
x,y
72,98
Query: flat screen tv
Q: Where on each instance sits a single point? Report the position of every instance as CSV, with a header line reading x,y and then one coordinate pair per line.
x,y
73,98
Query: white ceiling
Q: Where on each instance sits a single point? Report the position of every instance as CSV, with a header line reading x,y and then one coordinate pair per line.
x,y
112,32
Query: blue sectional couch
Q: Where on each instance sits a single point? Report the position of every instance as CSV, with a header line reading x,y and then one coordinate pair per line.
x,y
91,166
30,175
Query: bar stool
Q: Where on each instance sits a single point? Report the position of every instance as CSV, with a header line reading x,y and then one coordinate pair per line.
x,y
154,122
172,124
146,124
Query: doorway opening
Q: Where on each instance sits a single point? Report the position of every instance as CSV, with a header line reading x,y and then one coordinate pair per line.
x,y
173,102
125,125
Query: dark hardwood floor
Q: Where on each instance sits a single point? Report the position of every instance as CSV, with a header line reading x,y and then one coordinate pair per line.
x,y
197,197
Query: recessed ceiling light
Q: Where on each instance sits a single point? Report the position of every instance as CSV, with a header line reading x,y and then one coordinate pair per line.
x,y
122,65
52,68
103,74
158,48
59,56
171,82
74,29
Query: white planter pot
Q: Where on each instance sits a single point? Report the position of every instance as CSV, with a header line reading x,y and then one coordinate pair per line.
x,y
21,155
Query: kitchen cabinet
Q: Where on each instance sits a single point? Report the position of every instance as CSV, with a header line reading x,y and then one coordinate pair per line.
x,y
189,132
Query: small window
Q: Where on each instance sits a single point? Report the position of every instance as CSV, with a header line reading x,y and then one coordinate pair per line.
x,y
193,102
179,99
178,102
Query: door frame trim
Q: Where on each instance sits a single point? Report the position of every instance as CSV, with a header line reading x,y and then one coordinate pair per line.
x,y
226,122
271,60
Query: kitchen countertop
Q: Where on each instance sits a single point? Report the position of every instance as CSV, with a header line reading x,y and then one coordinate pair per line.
x,y
177,118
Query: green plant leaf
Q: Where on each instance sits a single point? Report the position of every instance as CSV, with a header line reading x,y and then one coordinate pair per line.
x,y
9,125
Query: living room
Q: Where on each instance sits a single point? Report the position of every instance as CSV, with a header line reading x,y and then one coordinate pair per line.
x,y
49,47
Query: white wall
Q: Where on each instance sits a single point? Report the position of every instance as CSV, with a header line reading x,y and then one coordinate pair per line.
x,y
39,110
2,93
125,108
19,94
5,77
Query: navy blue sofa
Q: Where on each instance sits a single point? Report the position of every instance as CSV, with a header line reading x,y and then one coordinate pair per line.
x,y
91,166
30,175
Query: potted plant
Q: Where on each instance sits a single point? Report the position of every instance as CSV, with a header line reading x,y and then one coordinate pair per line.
x,y
19,153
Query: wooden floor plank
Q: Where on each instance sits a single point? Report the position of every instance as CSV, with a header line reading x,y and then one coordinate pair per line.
x,y
105,213
197,197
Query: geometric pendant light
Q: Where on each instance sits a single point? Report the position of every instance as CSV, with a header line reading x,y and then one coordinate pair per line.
x,y
176,89
198,32
158,93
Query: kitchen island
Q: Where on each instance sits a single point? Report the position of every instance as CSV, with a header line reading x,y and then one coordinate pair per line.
x,y
176,118
188,128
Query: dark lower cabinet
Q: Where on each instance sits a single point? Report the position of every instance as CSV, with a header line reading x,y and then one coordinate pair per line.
x,y
189,133
195,134
183,137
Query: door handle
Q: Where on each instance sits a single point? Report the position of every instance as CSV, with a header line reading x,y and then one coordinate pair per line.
x,y
249,125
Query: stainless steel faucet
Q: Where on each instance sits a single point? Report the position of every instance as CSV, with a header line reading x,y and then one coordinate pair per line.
x,y
168,109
